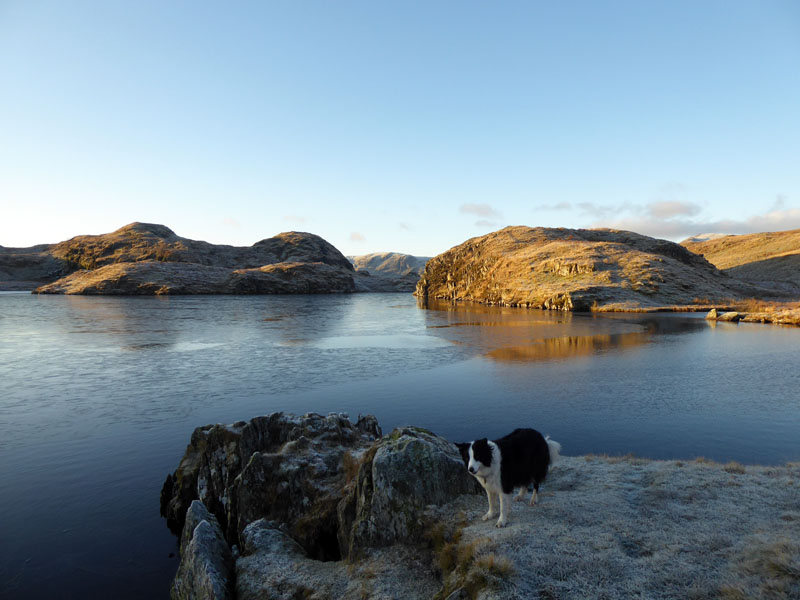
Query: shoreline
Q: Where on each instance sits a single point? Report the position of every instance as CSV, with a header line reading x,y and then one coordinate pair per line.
x,y
288,506
775,316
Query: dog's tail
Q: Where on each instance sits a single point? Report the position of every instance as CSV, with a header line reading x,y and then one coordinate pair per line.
x,y
555,450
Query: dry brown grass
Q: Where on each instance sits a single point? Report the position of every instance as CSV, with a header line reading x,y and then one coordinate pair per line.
x,y
753,305
771,569
734,467
735,250
350,466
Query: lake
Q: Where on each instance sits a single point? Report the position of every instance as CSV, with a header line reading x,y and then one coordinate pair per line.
x,y
99,397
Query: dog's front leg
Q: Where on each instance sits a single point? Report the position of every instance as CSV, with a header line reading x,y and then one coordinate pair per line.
x,y
491,512
505,504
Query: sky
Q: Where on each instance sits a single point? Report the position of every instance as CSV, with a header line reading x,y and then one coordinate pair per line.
x,y
397,126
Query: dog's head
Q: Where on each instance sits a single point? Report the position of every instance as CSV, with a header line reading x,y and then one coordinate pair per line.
x,y
477,456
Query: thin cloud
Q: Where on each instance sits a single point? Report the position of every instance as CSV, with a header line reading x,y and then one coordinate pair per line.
x,y
484,223
668,209
231,222
603,211
481,210
357,237
295,218
559,206
680,229
405,226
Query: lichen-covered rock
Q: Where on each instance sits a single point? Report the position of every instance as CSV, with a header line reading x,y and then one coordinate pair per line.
x,y
274,567
402,474
279,466
207,567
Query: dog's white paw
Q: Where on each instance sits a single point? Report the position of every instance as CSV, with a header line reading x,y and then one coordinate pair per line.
x,y
501,522
519,498
488,516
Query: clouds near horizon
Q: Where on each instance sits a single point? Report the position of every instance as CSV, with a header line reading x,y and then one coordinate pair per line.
x,y
674,220
490,216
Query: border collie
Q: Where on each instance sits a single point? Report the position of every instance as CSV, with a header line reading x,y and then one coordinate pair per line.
x,y
516,460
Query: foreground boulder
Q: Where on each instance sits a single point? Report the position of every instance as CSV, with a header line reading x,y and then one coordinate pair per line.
x,y
402,474
574,270
206,568
290,491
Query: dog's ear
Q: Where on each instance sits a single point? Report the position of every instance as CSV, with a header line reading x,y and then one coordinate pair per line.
x,y
463,447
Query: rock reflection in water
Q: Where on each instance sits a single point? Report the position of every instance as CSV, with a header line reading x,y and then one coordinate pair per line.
x,y
570,346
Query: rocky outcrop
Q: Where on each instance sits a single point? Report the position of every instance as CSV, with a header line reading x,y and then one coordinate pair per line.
x,y
145,259
769,260
148,278
573,269
296,494
279,467
387,271
206,567
388,499
139,242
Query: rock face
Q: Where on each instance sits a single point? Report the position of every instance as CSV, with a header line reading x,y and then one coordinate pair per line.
x,y
573,269
388,271
206,568
279,467
149,277
144,258
299,493
26,268
769,260
406,471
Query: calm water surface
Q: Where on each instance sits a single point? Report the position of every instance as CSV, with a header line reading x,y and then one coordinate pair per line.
x,y
99,396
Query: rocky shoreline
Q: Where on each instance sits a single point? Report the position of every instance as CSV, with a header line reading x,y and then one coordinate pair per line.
x,y
313,506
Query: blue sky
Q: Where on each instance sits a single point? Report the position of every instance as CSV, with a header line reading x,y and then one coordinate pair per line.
x,y
397,126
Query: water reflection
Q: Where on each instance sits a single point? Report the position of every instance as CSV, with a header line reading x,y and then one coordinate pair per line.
x,y
571,346
519,335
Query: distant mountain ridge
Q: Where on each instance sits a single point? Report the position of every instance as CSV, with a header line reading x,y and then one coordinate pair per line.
x,y
390,263
388,271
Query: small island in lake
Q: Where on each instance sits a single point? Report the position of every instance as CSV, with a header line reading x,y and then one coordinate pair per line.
x,y
749,277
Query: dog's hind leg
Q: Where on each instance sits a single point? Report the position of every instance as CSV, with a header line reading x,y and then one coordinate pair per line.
x,y
491,512
535,494
521,494
505,504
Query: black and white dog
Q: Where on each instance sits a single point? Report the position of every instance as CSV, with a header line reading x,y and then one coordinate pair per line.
x,y
516,460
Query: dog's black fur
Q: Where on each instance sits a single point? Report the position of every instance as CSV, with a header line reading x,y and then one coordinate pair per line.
x,y
525,458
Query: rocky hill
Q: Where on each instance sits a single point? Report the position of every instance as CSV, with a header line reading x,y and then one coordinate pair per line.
x,y
145,258
574,269
770,260
388,271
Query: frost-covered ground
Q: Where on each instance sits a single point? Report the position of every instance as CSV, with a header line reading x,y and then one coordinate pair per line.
x,y
633,528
